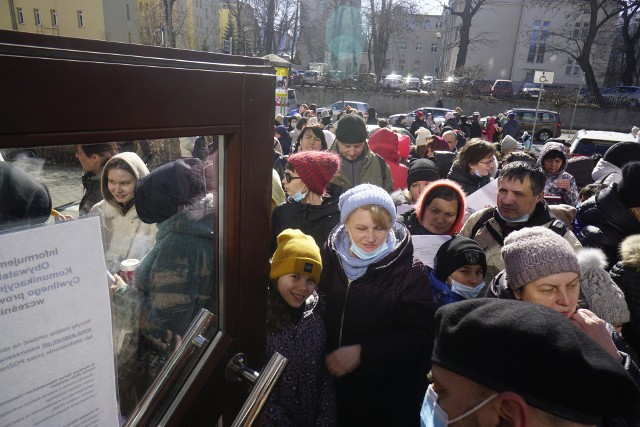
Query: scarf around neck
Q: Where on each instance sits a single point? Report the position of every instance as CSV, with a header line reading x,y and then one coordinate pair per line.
x,y
353,266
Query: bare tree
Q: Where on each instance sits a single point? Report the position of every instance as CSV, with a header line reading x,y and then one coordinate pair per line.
x,y
588,26
170,35
160,23
466,10
630,31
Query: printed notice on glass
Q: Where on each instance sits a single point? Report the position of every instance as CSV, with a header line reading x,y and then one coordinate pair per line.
x,y
56,351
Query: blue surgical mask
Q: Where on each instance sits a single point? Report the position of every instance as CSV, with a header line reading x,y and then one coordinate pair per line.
x,y
467,292
299,196
355,249
432,415
523,218
476,173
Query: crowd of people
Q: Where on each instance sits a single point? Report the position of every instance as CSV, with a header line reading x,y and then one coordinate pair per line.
x,y
485,329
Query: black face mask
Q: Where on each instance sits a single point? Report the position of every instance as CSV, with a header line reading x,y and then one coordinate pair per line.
x,y
86,178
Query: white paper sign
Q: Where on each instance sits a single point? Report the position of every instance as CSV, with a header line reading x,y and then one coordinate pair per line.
x,y
56,352
482,198
426,247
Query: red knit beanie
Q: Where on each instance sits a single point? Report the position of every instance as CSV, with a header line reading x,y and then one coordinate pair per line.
x,y
316,168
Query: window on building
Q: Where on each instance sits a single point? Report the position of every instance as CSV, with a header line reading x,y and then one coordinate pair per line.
x,y
36,15
80,19
54,18
128,13
427,24
537,46
572,68
20,15
419,47
403,47
580,30
434,47
412,23
416,66
401,65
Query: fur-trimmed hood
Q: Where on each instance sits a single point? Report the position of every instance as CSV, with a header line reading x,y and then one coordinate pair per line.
x,y
630,251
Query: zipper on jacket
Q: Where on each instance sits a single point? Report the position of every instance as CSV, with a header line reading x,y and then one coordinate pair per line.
x,y
344,306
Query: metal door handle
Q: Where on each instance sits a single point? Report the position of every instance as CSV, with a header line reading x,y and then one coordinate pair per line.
x,y
237,370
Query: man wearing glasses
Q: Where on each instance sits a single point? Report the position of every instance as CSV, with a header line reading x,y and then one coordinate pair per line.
x,y
519,204
358,164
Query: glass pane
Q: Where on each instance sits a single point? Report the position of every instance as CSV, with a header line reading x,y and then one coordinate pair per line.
x,y
158,201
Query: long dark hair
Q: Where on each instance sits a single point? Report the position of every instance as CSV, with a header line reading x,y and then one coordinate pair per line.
x,y
277,309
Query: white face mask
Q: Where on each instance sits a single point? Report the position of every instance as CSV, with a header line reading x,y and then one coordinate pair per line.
x,y
432,415
467,292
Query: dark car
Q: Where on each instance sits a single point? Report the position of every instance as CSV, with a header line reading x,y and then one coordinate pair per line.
x,y
548,124
622,96
502,89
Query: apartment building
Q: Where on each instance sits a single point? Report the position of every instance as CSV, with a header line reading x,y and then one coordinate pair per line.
x,y
520,39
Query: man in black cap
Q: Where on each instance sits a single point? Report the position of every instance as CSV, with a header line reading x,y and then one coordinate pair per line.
x,y
358,164
532,368
606,219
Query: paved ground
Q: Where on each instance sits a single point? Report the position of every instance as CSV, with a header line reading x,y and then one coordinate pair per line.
x,y
64,182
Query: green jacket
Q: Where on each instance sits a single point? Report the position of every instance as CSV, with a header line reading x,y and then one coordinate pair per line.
x,y
374,171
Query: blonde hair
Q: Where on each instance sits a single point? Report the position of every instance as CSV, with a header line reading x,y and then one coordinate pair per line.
x,y
630,252
379,215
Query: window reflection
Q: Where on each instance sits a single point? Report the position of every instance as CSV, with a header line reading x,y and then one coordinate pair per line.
x,y
157,201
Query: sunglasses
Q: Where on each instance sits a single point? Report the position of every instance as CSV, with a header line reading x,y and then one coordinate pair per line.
x,y
289,178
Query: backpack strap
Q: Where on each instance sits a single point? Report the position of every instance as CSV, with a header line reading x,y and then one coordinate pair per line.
x,y
482,221
383,168
558,227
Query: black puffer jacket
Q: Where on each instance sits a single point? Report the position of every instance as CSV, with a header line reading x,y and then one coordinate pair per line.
x,y
468,181
628,279
316,221
603,222
389,312
410,219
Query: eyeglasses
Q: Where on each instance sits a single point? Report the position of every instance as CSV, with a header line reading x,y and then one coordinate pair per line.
x,y
289,178
487,162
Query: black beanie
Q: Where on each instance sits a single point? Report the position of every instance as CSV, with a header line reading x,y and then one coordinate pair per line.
x,y
456,253
422,170
165,190
622,153
351,129
628,188
531,350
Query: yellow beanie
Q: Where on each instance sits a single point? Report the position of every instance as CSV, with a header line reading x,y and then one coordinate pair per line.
x,y
296,253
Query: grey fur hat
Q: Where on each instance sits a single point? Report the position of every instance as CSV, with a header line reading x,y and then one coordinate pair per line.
x,y
604,297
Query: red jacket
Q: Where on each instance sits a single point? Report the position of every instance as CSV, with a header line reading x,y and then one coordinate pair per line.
x,y
384,142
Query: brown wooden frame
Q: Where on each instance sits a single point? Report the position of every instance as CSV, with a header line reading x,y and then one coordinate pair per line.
x,y
58,90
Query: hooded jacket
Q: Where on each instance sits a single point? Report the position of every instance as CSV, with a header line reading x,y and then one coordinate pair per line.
x,y
606,172
367,168
626,274
569,196
384,142
603,222
389,312
285,140
316,221
305,394
413,218
124,235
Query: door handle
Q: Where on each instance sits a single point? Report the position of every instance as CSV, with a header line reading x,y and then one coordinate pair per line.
x,y
263,384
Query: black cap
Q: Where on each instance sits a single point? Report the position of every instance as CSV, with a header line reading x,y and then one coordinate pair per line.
x,y
622,153
351,129
628,188
160,194
422,170
531,350
456,253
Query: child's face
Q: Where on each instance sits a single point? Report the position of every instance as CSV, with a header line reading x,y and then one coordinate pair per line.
x,y
295,288
469,275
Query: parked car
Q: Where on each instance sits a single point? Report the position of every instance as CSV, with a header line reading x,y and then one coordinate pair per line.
x,y
393,82
502,89
590,142
339,106
438,115
334,78
426,83
295,78
548,124
365,81
622,96
530,90
312,78
412,83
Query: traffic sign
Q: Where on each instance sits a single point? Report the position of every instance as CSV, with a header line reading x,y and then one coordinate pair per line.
x,y
543,77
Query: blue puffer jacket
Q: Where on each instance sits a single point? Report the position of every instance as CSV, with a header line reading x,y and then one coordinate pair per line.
x,y
442,293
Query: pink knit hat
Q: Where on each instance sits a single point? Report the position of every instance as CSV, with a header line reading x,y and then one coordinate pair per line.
x,y
316,168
